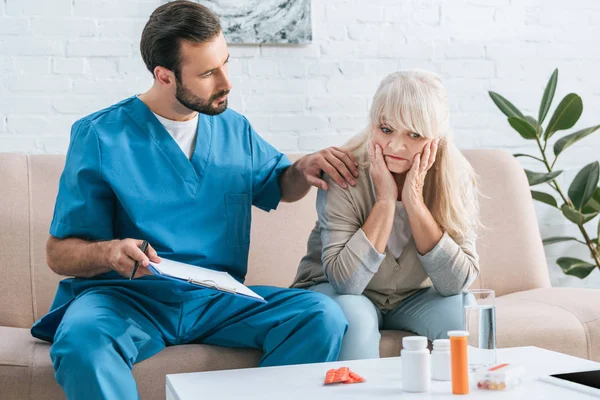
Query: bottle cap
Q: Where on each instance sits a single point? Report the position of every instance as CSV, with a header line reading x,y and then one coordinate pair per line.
x,y
441,344
414,342
458,333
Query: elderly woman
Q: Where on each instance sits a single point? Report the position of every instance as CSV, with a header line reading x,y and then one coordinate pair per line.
x,y
396,249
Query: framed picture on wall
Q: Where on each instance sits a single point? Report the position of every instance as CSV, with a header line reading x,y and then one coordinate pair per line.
x,y
264,21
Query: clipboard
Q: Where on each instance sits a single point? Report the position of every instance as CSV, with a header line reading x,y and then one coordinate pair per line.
x,y
208,278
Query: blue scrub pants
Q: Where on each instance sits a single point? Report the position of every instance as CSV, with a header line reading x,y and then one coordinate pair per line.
x,y
106,330
426,313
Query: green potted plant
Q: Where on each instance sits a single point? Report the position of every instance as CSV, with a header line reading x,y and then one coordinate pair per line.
x,y
581,203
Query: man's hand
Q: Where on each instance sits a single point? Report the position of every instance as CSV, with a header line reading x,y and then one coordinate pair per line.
x,y
339,164
123,254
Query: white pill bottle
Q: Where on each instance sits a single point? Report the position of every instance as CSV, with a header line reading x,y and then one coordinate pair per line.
x,y
416,364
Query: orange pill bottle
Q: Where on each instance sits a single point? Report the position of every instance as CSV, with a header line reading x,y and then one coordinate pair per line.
x,y
459,361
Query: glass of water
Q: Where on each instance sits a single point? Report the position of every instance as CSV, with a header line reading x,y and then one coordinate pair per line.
x,y
480,322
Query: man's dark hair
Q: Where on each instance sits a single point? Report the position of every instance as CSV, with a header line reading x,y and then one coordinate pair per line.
x,y
171,23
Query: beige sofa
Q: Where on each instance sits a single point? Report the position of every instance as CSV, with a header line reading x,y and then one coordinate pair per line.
x,y
529,311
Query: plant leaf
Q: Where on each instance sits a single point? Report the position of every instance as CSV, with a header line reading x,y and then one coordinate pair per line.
x,y
575,216
583,186
544,198
523,127
505,106
564,142
566,114
558,239
548,96
527,155
535,178
575,267
588,210
533,122
598,232
593,204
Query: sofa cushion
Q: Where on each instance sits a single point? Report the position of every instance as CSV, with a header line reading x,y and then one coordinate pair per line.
x,y
17,349
15,287
150,374
16,346
560,319
509,244
391,343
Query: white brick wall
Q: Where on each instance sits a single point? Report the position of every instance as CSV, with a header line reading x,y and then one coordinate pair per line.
x,y
62,59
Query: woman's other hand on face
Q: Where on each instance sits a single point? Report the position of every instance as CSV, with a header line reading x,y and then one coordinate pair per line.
x,y
412,192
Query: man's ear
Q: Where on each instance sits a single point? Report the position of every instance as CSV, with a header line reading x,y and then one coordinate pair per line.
x,y
164,76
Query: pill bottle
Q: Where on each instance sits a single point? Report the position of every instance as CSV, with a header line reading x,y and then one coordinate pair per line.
x,y
440,360
416,364
459,361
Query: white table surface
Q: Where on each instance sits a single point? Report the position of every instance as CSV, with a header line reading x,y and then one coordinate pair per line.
x,y
383,381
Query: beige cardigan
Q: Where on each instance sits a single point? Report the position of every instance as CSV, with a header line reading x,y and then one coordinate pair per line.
x,y
340,253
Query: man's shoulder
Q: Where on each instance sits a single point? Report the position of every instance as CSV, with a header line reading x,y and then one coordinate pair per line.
x,y
106,114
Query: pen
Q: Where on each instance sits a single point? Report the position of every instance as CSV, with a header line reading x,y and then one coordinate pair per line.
x,y
135,266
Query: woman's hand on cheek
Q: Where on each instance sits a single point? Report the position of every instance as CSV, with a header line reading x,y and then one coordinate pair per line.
x,y
385,185
412,192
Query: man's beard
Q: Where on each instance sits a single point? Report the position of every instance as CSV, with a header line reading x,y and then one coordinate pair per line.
x,y
195,103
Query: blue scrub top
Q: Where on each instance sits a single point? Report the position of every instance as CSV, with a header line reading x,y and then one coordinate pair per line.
x,y
126,177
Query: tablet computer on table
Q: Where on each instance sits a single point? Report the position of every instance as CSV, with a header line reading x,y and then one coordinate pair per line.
x,y
583,381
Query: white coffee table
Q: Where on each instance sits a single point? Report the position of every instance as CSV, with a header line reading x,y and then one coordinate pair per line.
x,y
383,381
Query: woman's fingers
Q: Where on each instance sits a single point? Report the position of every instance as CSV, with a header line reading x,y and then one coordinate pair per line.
x,y
424,162
378,153
433,156
379,159
414,169
371,148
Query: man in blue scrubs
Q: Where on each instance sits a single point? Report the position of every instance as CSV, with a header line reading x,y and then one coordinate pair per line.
x,y
175,167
